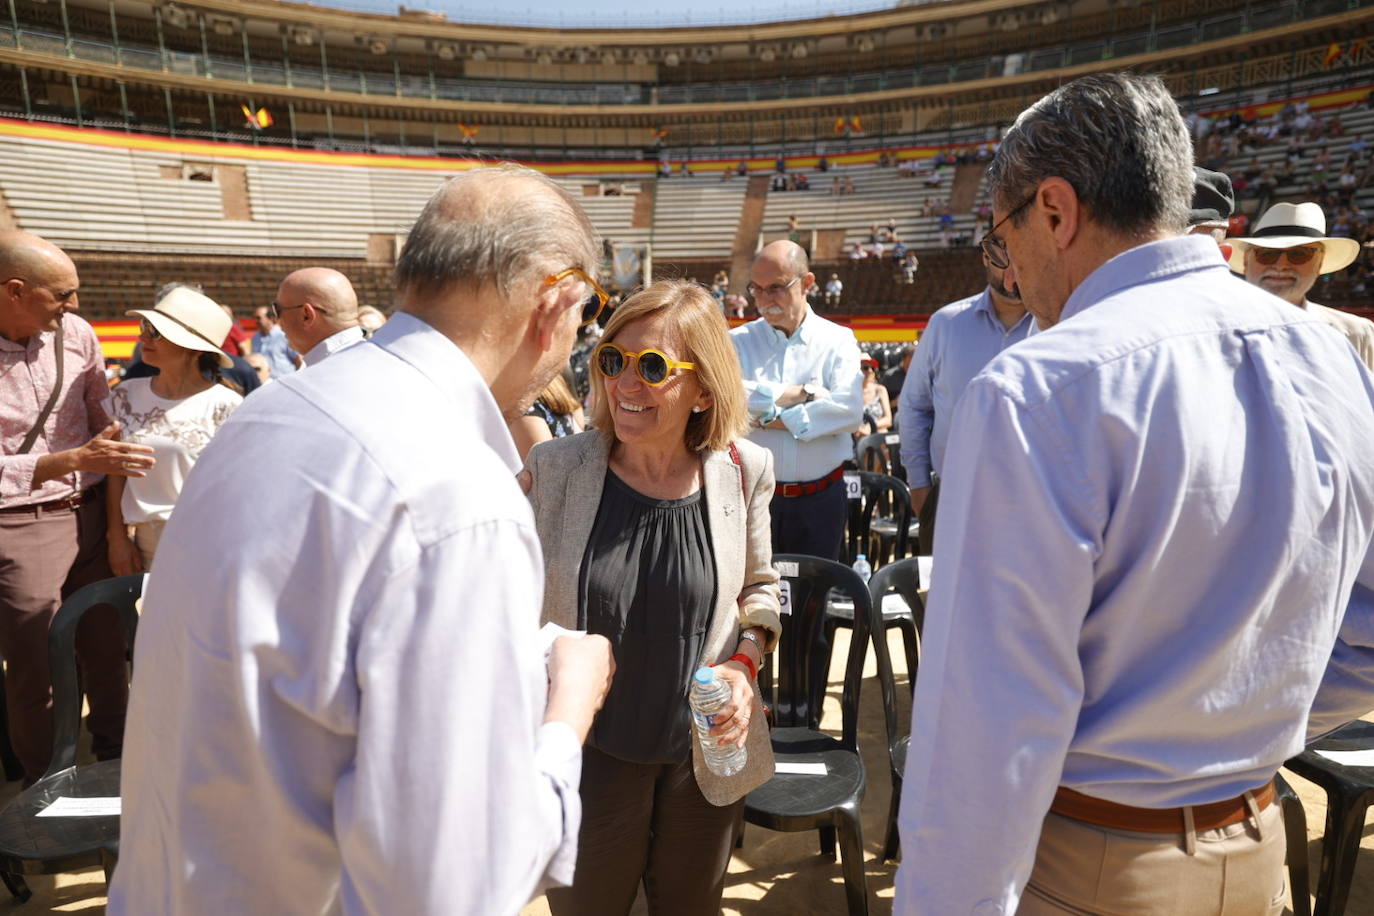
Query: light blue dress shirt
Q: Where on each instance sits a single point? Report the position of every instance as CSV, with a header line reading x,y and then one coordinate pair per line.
x,y
959,341
1152,519
817,439
275,347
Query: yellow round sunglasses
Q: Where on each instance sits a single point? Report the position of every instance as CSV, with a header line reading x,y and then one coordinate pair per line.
x,y
653,366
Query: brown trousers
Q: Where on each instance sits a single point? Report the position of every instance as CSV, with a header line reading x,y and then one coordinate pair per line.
x,y
44,558
649,823
1085,870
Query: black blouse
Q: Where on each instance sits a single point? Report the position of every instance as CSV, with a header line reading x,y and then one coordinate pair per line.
x,y
648,584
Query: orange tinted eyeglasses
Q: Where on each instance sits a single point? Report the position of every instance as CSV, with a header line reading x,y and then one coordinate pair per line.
x,y
1268,256
594,304
653,366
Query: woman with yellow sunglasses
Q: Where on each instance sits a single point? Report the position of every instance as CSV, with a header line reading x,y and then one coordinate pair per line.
x,y
656,535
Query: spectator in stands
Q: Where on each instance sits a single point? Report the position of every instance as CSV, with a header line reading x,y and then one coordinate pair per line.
x,y
175,412
271,342
370,319
803,183
685,170
875,251
623,516
318,310
1098,718
665,169
1212,205
877,408
238,342
59,447
834,288
848,185
720,285
554,414
742,169
1286,253
310,634
794,229
858,252
835,186
823,164
803,406
910,264
959,340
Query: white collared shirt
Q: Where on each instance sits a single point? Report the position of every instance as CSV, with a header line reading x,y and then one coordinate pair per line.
x,y
333,344
338,699
817,439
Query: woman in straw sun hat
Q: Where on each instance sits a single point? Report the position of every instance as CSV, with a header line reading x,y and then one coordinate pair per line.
x,y
1287,251
176,412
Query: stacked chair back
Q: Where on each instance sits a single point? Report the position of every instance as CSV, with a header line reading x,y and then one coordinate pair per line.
x,y
879,523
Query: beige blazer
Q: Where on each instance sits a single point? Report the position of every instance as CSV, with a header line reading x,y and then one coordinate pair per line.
x,y
568,475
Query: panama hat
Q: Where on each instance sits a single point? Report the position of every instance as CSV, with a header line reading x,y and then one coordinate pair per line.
x,y
190,319
1290,225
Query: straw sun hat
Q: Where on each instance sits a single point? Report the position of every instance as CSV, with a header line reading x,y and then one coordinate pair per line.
x,y
1290,225
190,319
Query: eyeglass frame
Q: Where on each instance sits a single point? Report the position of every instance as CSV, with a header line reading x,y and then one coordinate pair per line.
x,y
625,356
598,292
1286,254
149,330
994,247
276,310
773,289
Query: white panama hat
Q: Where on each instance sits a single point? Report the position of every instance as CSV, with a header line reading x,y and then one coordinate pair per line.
x,y
1290,225
190,319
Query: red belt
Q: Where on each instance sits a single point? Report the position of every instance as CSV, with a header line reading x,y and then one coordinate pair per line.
x,y
65,504
809,487
1103,813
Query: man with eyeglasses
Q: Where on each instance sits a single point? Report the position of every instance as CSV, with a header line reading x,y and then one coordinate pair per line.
x,y
318,310
1156,519
805,390
270,340
58,442
1288,250
341,682
960,339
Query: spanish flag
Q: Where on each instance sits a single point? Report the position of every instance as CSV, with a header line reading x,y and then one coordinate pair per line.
x,y
257,120
1333,54
469,130
660,133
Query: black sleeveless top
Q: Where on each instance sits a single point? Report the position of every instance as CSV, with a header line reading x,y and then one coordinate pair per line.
x,y
648,584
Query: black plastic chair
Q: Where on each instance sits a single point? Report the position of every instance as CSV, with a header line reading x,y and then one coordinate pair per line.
x,y
32,845
925,523
904,578
1295,832
1349,793
880,453
880,521
830,803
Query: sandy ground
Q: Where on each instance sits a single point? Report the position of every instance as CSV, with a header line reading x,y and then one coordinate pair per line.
x,y
774,873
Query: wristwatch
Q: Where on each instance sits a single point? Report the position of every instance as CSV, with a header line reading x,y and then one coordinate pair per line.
x,y
810,391
753,638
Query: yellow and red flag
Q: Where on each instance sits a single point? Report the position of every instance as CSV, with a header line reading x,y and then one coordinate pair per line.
x,y
257,120
660,133
1333,54
469,130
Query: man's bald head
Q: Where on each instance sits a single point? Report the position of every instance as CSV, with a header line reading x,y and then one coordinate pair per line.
x,y
315,303
38,284
778,281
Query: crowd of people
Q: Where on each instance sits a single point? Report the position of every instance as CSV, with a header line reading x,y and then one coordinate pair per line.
x,y
1153,582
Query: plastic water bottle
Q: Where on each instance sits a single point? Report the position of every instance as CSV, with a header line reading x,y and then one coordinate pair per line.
x,y
862,568
708,694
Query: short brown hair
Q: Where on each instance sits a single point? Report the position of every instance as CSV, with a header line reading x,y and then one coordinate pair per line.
x,y
705,338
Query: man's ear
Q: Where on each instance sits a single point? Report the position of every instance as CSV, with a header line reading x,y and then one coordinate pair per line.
x,y
14,288
548,312
1059,204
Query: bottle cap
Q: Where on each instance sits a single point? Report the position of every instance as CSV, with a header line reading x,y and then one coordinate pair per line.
x,y
704,676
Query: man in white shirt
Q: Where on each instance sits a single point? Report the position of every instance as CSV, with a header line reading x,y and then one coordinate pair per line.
x,y
318,310
341,704
805,390
1284,255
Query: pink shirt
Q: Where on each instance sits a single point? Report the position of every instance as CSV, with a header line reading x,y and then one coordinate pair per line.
x,y
27,374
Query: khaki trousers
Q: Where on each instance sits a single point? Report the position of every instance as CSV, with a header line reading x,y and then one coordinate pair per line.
x,y
1085,870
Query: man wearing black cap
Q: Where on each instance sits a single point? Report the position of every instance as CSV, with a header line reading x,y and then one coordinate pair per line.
x,y
1213,204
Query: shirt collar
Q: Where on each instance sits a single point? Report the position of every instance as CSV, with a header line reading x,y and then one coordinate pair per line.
x,y
802,335
1144,264
445,364
983,303
333,344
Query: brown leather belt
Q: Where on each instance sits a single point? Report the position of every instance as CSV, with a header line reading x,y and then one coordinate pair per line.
x,y
809,487
65,504
1103,813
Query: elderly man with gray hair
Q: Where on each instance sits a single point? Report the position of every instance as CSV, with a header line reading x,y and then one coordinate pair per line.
x,y
342,702
1155,515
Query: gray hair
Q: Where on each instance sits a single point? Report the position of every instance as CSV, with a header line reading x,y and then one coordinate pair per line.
x,y
1117,138
495,226
165,289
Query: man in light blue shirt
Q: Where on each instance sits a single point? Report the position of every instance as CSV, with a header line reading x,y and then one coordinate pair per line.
x,y
1154,515
956,345
270,340
805,390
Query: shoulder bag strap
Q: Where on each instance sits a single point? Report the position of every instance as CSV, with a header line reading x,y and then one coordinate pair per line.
x,y
734,456
32,437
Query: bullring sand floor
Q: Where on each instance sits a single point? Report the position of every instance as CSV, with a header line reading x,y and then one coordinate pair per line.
x,y
774,873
